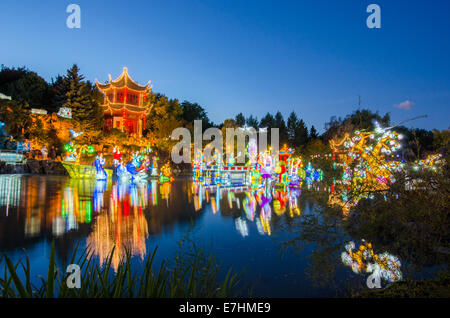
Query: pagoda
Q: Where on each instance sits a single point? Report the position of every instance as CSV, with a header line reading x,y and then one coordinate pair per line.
x,y
125,104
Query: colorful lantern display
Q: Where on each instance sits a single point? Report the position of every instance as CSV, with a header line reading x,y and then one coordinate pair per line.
x,y
166,173
367,157
364,260
135,170
431,162
99,164
281,168
117,156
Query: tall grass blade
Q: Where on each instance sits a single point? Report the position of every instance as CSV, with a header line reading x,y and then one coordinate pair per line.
x,y
51,273
17,283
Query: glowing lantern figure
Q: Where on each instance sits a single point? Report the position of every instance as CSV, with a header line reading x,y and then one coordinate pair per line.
x,y
366,157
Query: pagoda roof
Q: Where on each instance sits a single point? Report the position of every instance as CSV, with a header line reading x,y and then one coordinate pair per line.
x,y
124,80
114,108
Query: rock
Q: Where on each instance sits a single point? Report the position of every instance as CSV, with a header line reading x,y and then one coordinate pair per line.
x,y
34,166
6,168
53,168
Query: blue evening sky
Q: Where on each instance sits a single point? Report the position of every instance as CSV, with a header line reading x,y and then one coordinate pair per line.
x,y
314,57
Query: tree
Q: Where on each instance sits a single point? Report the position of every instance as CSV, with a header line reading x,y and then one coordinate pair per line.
x,y
60,87
302,133
240,120
228,123
281,125
415,142
165,115
441,140
267,122
292,127
252,122
83,99
422,142
96,120
25,86
297,132
192,112
360,119
17,118
313,133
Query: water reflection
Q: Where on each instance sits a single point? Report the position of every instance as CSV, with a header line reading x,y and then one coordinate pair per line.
x,y
129,215
27,202
122,225
247,204
111,212
76,205
364,260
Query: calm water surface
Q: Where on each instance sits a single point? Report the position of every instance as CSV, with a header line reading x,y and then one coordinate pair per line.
x,y
284,244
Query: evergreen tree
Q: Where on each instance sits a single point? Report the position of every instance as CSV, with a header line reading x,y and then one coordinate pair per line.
x,y
267,122
292,128
240,120
83,100
252,122
96,117
297,132
192,112
313,133
61,87
302,133
281,125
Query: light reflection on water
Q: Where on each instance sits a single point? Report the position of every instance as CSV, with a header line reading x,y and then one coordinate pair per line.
x,y
130,215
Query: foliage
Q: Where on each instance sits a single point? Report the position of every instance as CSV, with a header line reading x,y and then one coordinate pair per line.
x,y
16,116
164,117
240,120
297,132
411,217
191,112
281,125
358,120
83,98
313,134
114,137
60,87
441,139
252,122
267,121
314,147
416,142
25,87
100,281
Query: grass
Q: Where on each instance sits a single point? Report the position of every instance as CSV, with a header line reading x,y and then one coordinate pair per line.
x,y
100,280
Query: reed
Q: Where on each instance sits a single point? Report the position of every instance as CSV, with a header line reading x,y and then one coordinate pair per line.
x,y
101,281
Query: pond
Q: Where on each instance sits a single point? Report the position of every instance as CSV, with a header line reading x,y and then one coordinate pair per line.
x,y
284,243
